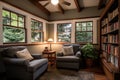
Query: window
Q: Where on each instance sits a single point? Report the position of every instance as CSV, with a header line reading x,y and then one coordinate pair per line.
x,y
13,27
64,32
84,31
36,31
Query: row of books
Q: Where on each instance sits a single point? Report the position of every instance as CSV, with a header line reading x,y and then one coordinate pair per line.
x,y
105,21
113,59
104,47
110,49
113,14
113,38
113,26
110,17
114,50
104,30
110,28
104,39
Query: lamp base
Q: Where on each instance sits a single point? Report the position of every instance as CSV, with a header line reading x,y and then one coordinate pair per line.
x,y
50,48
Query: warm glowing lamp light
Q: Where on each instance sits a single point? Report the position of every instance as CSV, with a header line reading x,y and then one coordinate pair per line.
x,y
50,40
54,2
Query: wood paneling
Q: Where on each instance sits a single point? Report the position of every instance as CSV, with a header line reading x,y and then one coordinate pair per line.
x,y
60,8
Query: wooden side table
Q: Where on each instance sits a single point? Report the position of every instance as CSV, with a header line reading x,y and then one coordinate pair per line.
x,y
51,55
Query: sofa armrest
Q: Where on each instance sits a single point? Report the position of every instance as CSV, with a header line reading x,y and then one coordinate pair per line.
x,y
16,61
78,54
36,56
60,54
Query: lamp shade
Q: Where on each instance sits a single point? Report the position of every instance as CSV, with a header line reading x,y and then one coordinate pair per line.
x,y
50,40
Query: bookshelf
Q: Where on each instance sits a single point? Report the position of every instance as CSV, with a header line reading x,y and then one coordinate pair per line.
x,y
110,40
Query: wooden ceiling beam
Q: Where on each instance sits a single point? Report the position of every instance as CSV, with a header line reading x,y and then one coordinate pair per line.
x,y
37,4
60,8
77,5
46,4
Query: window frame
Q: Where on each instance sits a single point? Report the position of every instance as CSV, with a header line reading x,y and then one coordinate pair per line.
x,y
83,31
34,30
15,27
70,33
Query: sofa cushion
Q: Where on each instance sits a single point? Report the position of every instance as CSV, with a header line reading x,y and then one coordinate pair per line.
x,y
76,47
24,54
68,50
36,64
68,59
78,54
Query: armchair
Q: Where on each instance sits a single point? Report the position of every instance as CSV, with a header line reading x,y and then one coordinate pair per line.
x,y
20,68
71,61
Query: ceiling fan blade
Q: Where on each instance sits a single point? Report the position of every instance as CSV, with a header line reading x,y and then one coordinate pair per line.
x,y
66,3
46,4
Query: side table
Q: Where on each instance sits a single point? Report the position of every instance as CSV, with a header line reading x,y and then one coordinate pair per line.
x,y
51,55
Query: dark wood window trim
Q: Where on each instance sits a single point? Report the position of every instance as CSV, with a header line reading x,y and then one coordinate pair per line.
x,y
34,44
57,32
83,31
23,28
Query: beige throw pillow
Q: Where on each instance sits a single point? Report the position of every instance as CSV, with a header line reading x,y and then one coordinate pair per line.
x,y
24,54
68,50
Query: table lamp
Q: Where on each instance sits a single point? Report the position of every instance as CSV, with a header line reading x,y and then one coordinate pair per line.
x,y
50,40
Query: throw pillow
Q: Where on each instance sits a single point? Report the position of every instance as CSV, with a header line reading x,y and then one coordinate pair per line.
x,y
24,54
68,50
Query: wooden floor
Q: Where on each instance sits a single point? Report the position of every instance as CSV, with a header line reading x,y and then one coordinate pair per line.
x,y
100,77
98,72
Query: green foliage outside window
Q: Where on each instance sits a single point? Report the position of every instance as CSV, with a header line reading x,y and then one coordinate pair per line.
x,y
36,36
13,34
84,31
64,32
6,14
37,31
13,27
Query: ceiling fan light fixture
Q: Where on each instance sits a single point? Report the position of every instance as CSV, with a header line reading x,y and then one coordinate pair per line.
x,y
54,2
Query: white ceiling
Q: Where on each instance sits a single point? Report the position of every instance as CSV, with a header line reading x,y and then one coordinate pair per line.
x,y
83,3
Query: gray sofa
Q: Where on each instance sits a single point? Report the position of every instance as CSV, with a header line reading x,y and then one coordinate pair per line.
x,y
70,61
22,69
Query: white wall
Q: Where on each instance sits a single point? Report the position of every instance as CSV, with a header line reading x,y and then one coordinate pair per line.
x,y
73,28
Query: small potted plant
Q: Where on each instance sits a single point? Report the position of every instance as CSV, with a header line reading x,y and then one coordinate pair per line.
x,y
89,54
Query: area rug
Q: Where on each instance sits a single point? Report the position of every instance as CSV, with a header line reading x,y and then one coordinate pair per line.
x,y
62,74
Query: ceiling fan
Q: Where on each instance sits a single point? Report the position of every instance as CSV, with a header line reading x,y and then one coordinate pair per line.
x,y
55,2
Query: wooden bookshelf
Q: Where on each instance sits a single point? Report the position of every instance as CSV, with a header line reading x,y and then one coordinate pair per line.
x,y
110,39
